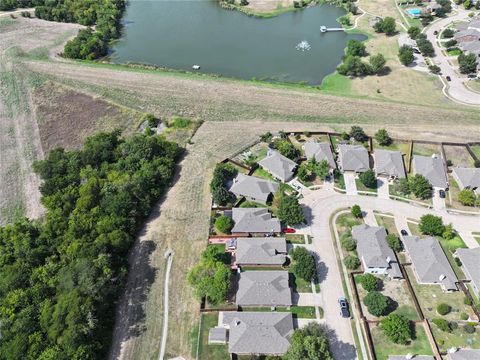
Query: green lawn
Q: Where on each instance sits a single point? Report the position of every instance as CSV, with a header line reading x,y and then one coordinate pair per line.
x,y
252,204
457,338
295,238
210,352
414,229
454,52
384,347
425,149
388,223
408,311
401,146
261,173
298,284
476,150
362,187
301,312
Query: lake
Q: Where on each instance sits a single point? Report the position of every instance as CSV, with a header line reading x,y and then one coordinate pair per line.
x,y
179,34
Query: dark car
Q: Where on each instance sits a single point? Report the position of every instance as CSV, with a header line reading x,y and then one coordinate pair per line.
x,y
442,194
448,78
435,32
404,232
344,307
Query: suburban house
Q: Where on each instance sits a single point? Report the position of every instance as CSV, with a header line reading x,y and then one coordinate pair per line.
x,y
254,220
410,357
467,178
373,250
433,7
468,37
430,263
389,163
463,354
319,151
432,169
257,333
253,188
279,166
353,158
261,251
470,259
263,288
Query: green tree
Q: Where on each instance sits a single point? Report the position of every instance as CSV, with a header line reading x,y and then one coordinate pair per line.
x,y
303,173
467,197
348,242
222,174
320,169
403,186
304,264
354,66
442,324
369,282
414,31
394,242
405,55
355,48
369,179
356,211
420,186
286,148
224,224
448,33
448,232
425,47
87,45
443,309
386,25
290,212
358,134
351,262
309,343
383,138
377,303
431,225
467,63
396,328
377,63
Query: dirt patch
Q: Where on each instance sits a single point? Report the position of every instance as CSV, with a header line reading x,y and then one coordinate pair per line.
x,y
67,117
459,156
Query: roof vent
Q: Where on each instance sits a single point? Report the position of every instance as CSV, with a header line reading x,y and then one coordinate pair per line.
x,y
452,350
442,277
409,356
237,322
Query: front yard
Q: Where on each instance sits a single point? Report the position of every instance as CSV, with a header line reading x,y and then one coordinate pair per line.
x,y
388,223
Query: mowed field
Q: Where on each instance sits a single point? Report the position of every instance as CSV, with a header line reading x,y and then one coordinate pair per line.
x,y
52,103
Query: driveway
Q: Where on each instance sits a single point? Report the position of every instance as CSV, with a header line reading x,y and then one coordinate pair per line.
x,y
350,184
438,202
383,188
304,299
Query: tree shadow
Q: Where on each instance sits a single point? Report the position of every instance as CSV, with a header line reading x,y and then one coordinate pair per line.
x,y
322,269
340,349
385,71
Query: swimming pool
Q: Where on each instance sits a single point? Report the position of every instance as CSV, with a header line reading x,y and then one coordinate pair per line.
x,y
414,12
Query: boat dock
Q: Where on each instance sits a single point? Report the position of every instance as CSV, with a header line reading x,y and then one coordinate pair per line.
x,y
325,29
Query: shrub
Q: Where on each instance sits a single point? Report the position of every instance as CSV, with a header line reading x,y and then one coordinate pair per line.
x,y
464,316
448,33
442,324
224,224
448,232
443,309
358,134
467,197
151,120
179,122
369,179
458,262
466,300
351,262
377,63
431,225
396,328
348,243
420,186
469,328
453,325
394,242
434,69
356,211
267,137
383,138
369,282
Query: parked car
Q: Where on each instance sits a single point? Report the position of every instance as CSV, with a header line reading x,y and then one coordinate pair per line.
x,y
404,232
289,231
448,78
442,194
435,33
344,307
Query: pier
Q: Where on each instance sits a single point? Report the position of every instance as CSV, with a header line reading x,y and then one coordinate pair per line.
x,y
325,29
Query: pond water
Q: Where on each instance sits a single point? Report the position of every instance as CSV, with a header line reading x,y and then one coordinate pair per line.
x,y
178,34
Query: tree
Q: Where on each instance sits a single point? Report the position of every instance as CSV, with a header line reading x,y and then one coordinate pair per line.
x,y
450,43
396,328
354,66
369,282
87,45
383,138
448,33
467,63
394,242
403,186
369,179
290,212
425,47
348,242
467,197
405,55
356,211
320,169
386,25
351,262
377,63
286,148
222,174
431,225
420,186
414,31
443,309
224,224
303,173
448,232
304,264
377,303
309,343
355,48
434,69
358,134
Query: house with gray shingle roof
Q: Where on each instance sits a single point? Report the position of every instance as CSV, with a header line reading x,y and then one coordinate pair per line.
x,y
470,259
410,357
258,333
279,166
389,163
254,220
253,188
376,256
353,158
429,262
319,151
263,288
464,354
467,178
432,169
261,251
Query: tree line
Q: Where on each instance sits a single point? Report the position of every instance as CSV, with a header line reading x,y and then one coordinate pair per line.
x,y
60,278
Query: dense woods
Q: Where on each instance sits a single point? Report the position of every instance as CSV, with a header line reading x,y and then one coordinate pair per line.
x,y
105,15
59,279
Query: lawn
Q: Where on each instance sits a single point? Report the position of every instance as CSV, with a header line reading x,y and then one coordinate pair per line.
x,y
401,146
414,229
298,284
339,181
425,149
261,173
252,204
300,312
452,199
206,351
388,223
457,338
295,238
476,148
393,191
384,347
362,187
454,52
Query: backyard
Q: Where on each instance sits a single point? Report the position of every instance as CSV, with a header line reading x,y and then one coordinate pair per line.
x,y
457,338
206,351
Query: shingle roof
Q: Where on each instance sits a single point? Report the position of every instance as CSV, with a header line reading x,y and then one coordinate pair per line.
x,y
254,220
465,354
415,357
471,46
467,178
278,165
373,248
389,163
264,288
261,251
259,332
430,262
354,158
217,334
471,263
320,151
432,168
253,187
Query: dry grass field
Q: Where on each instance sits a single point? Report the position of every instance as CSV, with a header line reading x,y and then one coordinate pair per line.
x,y
44,100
